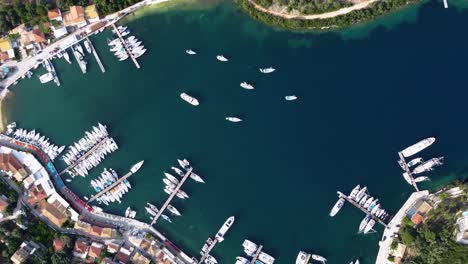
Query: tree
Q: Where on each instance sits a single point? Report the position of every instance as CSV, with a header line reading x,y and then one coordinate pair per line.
x,y
60,258
16,233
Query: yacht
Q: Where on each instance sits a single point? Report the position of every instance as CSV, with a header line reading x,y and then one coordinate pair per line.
x,y
137,166
138,53
354,192
45,78
249,247
363,200
360,194
265,258
407,178
415,161
127,212
173,210
171,178
242,260
210,260
233,119
318,258
221,58
364,223
196,178
290,97
189,99
421,179
222,231
303,258
66,56
190,52
178,171
369,226
87,46
428,165
247,86
267,70
336,208
184,163
421,145
165,217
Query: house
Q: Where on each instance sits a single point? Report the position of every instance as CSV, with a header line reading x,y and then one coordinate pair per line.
x,y
81,249
399,253
112,248
140,259
9,163
6,47
58,244
22,254
54,14
36,194
59,31
75,17
91,14
54,214
3,203
462,232
418,211
95,250
123,256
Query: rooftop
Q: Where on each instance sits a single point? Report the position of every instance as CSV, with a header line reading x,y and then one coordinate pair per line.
x,y
54,13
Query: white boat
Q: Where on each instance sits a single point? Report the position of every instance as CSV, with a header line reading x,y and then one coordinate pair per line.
x,y
137,54
125,33
354,192
242,260
265,258
364,199
190,52
222,231
124,57
336,208
267,70
221,58
318,258
165,217
247,86
137,166
363,224
87,46
178,171
68,180
421,145
189,99
360,194
210,260
127,212
46,77
369,226
114,42
66,57
120,29
153,207
173,210
86,198
196,178
250,248
407,178
171,178
79,48
428,165
151,211
414,162
233,119
169,183
303,258
421,179
290,97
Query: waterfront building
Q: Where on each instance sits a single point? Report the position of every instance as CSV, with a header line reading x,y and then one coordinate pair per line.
x,y
462,233
95,250
56,215
80,250
138,258
11,165
91,13
24,252
75,17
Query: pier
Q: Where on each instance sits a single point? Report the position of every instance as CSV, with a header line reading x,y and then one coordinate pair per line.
x,y
110,187
351,201
80,159
189,172
207,252
96,56
126,46
407,170
255,257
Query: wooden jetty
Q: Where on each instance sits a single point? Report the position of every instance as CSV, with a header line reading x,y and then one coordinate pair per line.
x,y
353,202
207,252
96,56
407,170
124,43
255,257
80,159
173,194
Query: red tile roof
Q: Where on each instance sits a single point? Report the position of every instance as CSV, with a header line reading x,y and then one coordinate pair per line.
x,y
53,13
80,247
58,244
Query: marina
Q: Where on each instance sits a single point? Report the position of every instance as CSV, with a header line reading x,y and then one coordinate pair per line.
x,y
211,243
125,45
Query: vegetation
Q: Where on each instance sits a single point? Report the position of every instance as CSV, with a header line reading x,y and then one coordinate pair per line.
x,y
374,10
307,6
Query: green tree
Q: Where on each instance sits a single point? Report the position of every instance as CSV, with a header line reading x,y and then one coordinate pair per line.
x,y
60,258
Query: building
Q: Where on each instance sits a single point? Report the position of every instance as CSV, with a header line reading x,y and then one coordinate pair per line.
x,y
140,259
9,163
112,248
58,244
399,253
81,249
418,211
91,14
36,194
95,250
75,17
123,256
6,49
55,14
462,233
22,254
54,214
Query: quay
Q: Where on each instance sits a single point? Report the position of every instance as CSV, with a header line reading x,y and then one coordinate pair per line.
x,y
96,56
407,170
351,201
108,188
80,63
80,159
126,47
207,252
255,257
189,172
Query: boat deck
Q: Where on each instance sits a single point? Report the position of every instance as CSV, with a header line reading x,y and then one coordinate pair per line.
x,y
353,202
207,252
108,188
255,257
126,47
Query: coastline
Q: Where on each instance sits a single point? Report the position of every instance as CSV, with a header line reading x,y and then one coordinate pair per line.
x,y
3,117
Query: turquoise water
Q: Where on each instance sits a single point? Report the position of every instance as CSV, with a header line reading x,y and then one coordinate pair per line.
x,y
364,94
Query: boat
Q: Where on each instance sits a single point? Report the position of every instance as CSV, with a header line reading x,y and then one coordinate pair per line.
x,y
138,53
303,258
68,180
165,217
357,261
153,207
66,56
407,178
265,258
190,52
363,224
369,226
415,148
210,260
415,161
171,178
354,192
137,166
86,198
221,58
151,211
363,200
421,179
233,119
222,231
45,78
372,205
79,49
242,260
267,70
375,209
336,208
173,210
360,194
196,178
124,33
127,212
428,165
183,163
318,258
247,86
87,46
169,183
178,171
250,248
189,99
120,29
290,97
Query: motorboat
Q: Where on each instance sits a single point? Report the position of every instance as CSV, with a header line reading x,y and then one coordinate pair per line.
x,y
428,165
360,194
221,58
165,217
210,260
336,208
189,99
318,258
421,179
183,163
169,183
171,178
267,70
196,178
407,178
173,210
125,33
363,224
369,226
415,161
247,86
303,258
290,97
87,46
178,171
68,180
224,228
137,166
265,258
419,146
66,56
190,52
242,260
354,192
250,248
233,119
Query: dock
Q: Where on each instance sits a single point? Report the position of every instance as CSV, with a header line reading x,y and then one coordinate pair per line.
x,y
351,201
96,56
80,159
207,252
407,170
255,257
110,187
173,194
124,43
